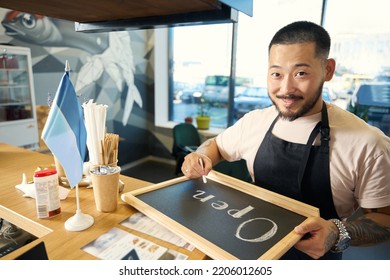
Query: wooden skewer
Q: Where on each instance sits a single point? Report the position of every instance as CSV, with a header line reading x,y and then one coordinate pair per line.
x,y
110,147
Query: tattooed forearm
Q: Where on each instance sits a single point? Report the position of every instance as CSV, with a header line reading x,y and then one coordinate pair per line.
x,y
333,235
365,231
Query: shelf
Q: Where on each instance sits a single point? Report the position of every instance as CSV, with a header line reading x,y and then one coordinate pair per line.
x,y
21,70
15,85
15,104
18,123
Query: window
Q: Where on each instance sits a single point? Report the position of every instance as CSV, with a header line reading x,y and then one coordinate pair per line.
x,y
361,47
201,71
202,58
206,59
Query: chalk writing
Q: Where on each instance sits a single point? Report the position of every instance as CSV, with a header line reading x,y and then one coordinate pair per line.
x,y
263,237
235,213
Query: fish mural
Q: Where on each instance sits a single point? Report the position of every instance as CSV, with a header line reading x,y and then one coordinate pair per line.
x,y
111,52
117,61
50,32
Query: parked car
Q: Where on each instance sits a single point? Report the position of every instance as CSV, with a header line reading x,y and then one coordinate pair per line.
x,y
188,96
350,82
371,102
216,88
255,97
382,78
187,93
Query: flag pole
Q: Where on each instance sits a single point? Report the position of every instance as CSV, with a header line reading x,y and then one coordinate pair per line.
x,y
78,221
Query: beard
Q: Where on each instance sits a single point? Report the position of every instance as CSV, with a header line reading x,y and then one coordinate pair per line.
x,y
306,107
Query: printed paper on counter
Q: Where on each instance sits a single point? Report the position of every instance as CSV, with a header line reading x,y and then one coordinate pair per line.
x,y
117,244
144,224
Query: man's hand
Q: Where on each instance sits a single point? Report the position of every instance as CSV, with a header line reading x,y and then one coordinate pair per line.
x,y
192,168
320,236
208,153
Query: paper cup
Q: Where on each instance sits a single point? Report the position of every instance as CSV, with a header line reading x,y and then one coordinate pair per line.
x,y
94,165
105,181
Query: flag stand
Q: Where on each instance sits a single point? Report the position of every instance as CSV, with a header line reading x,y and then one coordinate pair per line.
x,y
78,221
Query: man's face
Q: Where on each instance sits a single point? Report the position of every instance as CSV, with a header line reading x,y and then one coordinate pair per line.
x,y
295,79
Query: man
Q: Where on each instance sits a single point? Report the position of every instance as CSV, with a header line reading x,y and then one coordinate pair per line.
x,y
309,150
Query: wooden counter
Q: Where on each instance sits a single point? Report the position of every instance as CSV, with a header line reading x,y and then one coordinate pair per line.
x,y
60,243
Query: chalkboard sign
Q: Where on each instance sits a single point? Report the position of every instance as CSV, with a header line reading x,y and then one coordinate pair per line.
x,y
225,218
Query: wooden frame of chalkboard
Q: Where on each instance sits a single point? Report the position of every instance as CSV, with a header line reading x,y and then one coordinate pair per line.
x,y
225,218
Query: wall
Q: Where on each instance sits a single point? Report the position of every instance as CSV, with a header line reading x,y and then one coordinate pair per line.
x,y
114,68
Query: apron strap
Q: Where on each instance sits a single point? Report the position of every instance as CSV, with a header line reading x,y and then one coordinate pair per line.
x,y
325,130
306,154
323,127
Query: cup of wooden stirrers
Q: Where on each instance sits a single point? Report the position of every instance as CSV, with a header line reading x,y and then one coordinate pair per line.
x,y
110,149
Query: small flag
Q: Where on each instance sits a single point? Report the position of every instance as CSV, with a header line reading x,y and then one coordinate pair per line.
x,y
64,132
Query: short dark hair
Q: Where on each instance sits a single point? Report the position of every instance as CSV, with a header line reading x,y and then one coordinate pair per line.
x,y
303,32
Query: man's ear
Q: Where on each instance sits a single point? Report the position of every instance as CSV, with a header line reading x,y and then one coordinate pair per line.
x,y
330,67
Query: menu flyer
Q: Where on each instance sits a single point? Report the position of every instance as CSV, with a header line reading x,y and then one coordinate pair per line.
x,y
144,224
117,244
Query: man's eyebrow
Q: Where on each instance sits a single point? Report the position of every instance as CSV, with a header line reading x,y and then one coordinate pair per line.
x,y
274,66
302,65
295,65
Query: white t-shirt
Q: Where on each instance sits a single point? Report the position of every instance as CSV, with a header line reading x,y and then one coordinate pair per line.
x,y
359,153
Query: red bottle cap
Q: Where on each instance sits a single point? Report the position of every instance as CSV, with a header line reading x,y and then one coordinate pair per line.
x,y
45,172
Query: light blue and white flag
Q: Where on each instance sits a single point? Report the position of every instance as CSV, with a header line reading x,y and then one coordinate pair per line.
x,y
64,132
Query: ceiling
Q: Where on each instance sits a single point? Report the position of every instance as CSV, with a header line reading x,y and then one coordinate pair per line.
x,y
103,15
102,10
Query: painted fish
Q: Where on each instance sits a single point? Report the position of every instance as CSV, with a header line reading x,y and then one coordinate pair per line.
x,y
111,52
117,61
50,32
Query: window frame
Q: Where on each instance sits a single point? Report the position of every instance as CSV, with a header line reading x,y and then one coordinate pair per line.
x,y
163,84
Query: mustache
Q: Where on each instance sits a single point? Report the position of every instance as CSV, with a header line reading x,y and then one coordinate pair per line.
x,y
289,96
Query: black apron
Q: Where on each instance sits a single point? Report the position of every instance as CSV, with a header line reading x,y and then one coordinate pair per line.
x,y
298,171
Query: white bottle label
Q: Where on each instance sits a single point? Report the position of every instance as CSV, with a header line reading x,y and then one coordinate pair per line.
x,y
47,196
